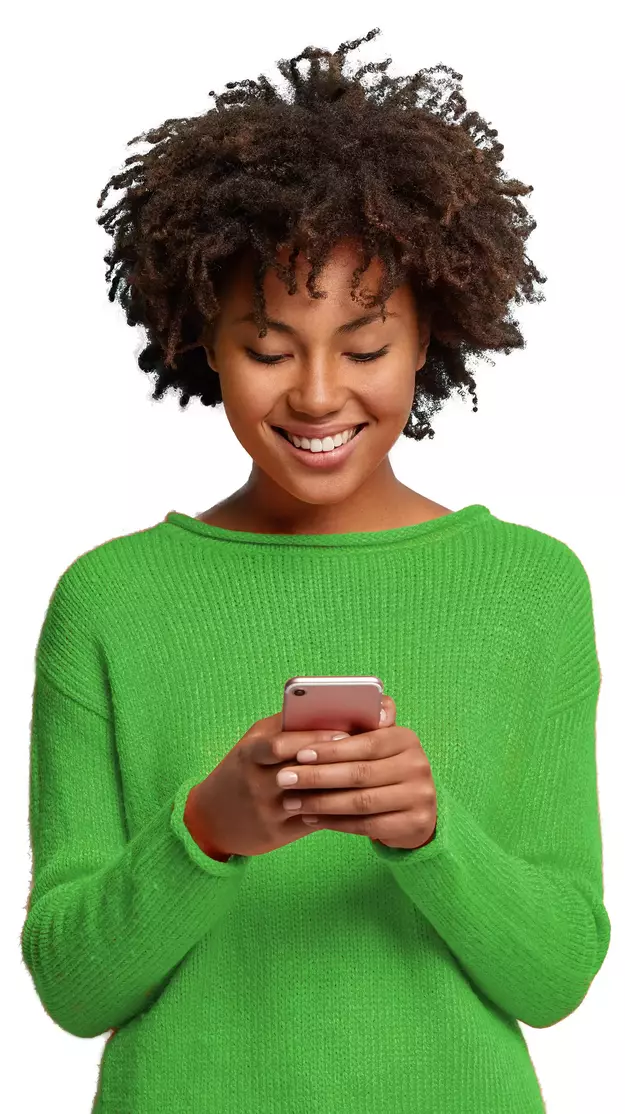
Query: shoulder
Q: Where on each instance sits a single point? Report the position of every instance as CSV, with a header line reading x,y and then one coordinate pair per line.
x,y
100,580
124,550
542,559
558,584
91,598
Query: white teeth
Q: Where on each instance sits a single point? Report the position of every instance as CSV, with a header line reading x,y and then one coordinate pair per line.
x,y
316,445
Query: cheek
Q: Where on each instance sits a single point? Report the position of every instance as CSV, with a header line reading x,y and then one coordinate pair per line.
x,y
247,402
393,400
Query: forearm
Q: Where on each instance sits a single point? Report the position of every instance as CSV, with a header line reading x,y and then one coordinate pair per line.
x,y
99,945
528,935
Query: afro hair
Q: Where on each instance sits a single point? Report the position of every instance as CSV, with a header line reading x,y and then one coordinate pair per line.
x,y
399,165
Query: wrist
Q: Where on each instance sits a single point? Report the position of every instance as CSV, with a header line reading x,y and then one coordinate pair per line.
x,y
197,827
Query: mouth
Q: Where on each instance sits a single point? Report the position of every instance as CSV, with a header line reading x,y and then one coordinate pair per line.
x,y
322,458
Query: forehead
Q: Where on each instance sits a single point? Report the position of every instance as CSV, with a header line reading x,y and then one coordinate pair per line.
x,y
335,280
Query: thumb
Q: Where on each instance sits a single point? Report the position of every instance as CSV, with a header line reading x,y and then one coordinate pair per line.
x,y
388,711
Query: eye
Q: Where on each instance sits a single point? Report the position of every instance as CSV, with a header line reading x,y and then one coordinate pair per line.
x,y
366,357
358,358
263,359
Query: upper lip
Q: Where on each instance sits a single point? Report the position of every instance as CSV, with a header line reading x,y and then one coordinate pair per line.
x,y
318,431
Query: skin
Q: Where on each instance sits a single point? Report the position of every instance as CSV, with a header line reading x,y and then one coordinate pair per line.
x,y
377,784
394,801
317,382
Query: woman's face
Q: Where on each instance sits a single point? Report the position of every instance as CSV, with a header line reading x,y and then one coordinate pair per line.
x,y
316,378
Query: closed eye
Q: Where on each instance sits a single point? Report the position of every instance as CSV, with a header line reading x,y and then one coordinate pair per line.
x,y
357,357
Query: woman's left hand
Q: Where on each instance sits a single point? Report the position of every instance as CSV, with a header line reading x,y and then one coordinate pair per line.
x,y
379,785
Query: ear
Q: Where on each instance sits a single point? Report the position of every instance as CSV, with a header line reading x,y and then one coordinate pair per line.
x,y
425,333
425,326
207,341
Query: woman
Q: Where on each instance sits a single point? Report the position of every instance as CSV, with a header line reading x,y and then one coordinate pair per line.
x,y
277,921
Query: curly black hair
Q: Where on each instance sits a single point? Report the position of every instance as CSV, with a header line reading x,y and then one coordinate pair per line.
x,y
401,166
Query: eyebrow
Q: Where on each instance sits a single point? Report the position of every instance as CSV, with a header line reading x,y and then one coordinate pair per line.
x,y
348,327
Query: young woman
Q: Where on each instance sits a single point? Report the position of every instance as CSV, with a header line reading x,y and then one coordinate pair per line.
x,y
286,921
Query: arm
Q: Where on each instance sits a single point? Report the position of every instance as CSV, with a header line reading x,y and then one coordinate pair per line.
x,y
108,918
519,898
196,822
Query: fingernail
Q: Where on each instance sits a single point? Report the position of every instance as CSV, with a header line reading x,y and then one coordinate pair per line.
x,y
382,714
306,756
292,804
286,777
343,735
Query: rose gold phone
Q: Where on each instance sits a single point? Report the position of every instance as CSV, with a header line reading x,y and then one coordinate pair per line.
x,y
349,704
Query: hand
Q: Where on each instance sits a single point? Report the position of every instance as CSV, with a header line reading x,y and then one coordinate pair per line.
x,y
377,784
237,809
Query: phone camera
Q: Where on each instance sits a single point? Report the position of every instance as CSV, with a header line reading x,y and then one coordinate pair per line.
x,y
299,692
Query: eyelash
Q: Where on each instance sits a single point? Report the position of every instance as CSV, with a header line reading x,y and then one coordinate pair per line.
x,y
360,358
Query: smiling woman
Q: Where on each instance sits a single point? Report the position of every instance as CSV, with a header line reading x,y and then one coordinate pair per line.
x,y
323,264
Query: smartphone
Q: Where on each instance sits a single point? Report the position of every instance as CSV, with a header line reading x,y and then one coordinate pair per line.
x,y
350,704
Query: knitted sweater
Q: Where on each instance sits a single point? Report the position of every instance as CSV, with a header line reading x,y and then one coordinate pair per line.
x,y
334,975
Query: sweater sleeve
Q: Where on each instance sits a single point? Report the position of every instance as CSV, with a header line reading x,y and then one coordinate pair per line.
x,y
518,898
108,918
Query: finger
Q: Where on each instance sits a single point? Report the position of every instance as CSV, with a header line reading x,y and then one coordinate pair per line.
x,y
272,746
370,746
354,802
387,827
343,775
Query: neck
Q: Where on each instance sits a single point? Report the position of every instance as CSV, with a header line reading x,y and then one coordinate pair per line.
x,y
377,505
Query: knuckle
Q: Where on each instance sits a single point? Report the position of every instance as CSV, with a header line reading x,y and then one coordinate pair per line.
x,y
309,776
253,781
361,773
429,795
363,802
423,771
368,745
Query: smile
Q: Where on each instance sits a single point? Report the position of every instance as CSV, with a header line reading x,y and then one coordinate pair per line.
x,y
321,458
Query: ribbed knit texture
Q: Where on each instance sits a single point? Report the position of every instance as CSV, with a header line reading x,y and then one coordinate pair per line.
x,y
334,975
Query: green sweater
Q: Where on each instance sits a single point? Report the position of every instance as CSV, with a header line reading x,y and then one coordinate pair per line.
x,y
334,975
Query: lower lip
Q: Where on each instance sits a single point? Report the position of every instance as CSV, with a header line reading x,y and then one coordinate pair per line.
x,y
321,459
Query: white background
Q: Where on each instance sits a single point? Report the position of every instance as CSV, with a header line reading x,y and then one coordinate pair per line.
x,y
88,456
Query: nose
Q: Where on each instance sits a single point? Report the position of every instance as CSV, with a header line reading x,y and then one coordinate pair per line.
x,y
319,390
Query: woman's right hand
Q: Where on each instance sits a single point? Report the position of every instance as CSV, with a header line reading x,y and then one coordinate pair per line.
x,y
237,809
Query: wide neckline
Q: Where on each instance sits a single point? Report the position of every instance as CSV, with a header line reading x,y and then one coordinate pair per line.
x,y
431,528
